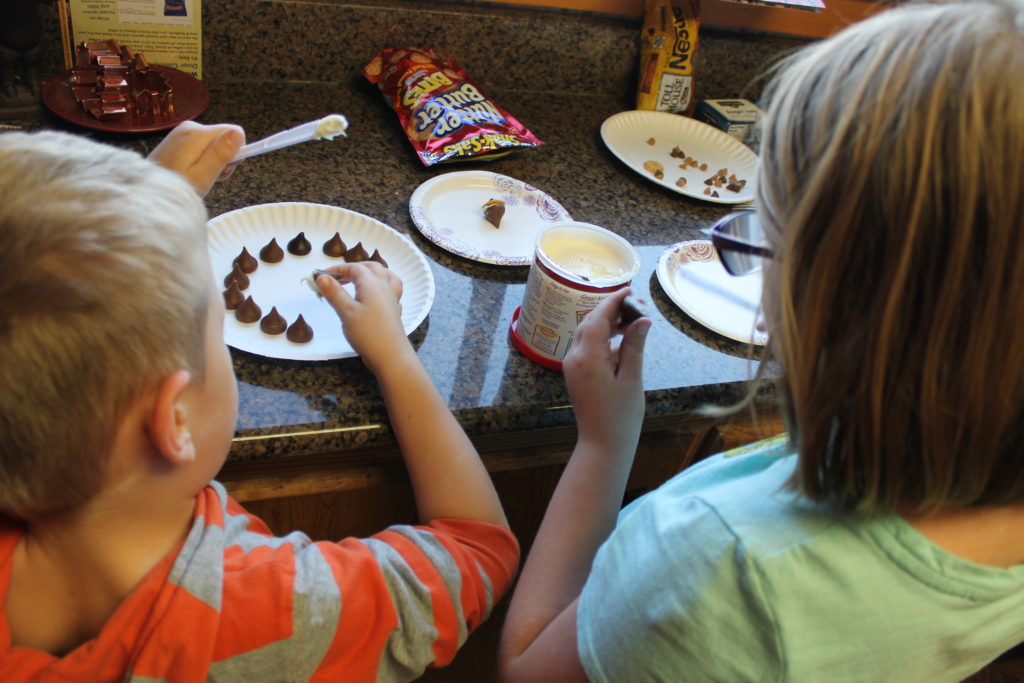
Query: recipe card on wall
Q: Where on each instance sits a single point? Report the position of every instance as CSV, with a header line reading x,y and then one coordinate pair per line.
x,y
167,32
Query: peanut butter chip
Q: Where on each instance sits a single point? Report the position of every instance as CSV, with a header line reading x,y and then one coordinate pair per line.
x,y
655,168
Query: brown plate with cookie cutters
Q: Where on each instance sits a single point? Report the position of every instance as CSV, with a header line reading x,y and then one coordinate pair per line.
x,y
288,242
682,154
191,98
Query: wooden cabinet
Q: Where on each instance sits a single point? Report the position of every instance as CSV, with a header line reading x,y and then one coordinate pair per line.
x,y
357,493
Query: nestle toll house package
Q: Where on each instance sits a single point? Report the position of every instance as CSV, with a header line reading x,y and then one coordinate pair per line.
x,y
667,47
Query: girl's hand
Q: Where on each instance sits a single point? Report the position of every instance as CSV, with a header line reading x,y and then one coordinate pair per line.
x,y
605,380
200,153
372,320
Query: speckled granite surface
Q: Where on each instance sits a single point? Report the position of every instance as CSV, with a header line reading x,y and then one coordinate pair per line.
x,y
274,64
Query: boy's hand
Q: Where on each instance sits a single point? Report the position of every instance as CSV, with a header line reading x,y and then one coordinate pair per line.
x,y
606,382
372,320
200,153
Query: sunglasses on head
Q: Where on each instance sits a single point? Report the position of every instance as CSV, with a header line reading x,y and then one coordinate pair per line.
x,y
739,240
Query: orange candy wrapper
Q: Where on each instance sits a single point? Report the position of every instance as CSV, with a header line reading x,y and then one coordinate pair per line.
x,y
444,114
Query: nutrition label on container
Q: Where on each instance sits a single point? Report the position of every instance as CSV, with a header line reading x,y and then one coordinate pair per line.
x,y
551,311
575,267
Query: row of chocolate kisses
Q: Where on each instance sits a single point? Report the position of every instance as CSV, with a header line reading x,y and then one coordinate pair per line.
x,y
248,311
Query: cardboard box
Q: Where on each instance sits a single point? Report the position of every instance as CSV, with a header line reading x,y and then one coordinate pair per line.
x,y
736,116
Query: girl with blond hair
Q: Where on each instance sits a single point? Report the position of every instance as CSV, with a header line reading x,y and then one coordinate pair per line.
x,y
881,538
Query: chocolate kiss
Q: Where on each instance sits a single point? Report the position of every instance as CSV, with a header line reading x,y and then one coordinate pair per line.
x,y
246,262
248,312
494,209
631,310
335,246
299,331
272,253
238,277
356,254
273,322
378,258
233,296
299,245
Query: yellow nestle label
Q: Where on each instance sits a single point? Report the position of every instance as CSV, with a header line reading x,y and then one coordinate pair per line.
x,y
668,44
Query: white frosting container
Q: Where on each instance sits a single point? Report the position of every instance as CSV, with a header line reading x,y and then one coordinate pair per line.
x,y
575,266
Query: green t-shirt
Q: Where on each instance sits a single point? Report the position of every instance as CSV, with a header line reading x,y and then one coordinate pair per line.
x,y
723,574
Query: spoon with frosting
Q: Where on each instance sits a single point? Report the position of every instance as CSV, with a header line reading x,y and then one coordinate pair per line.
x,y
327,128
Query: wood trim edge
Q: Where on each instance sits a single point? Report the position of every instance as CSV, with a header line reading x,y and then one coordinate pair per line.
x,y
736,15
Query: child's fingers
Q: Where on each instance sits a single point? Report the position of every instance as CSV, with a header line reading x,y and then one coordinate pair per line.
x,y
199,152
599,324
631,350
395,283
228,170
335,294
370,274
372,281
215,158
339,273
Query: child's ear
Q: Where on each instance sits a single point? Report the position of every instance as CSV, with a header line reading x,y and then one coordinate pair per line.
x,y
168,421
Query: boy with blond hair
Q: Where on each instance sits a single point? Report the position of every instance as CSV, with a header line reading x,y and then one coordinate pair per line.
x,y
120,558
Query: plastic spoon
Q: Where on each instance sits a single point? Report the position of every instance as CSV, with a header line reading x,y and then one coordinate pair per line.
x,y
327,128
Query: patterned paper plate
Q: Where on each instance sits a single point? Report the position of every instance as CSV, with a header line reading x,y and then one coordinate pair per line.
x,y
447,209
692,276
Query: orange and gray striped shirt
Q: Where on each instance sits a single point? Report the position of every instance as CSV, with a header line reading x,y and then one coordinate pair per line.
x,y
237,603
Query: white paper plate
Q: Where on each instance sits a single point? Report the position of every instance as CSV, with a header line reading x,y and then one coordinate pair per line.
x,y
279,284
447,209
628,134
692,276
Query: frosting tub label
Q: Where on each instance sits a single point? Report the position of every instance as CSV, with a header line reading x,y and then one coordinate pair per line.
x,y
575,266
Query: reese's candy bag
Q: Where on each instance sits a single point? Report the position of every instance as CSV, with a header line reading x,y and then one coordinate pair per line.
x,y
444,114
667,46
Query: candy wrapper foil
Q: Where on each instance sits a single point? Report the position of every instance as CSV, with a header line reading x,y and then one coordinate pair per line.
x,y
443,112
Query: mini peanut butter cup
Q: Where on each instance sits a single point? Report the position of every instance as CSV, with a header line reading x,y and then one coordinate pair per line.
x,y
272,252
335,246
246,262
248,312
273,322
356,254
299,331
238,277
233,296
299,245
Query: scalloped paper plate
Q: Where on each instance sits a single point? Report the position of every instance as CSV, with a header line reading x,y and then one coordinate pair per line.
x,y
694,278
280,284
447,209
629,134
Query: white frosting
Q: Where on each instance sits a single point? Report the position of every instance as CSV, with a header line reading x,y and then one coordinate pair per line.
x,y
331,127
591,260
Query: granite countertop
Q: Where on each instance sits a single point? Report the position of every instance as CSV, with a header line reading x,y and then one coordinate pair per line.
x,y
271,65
